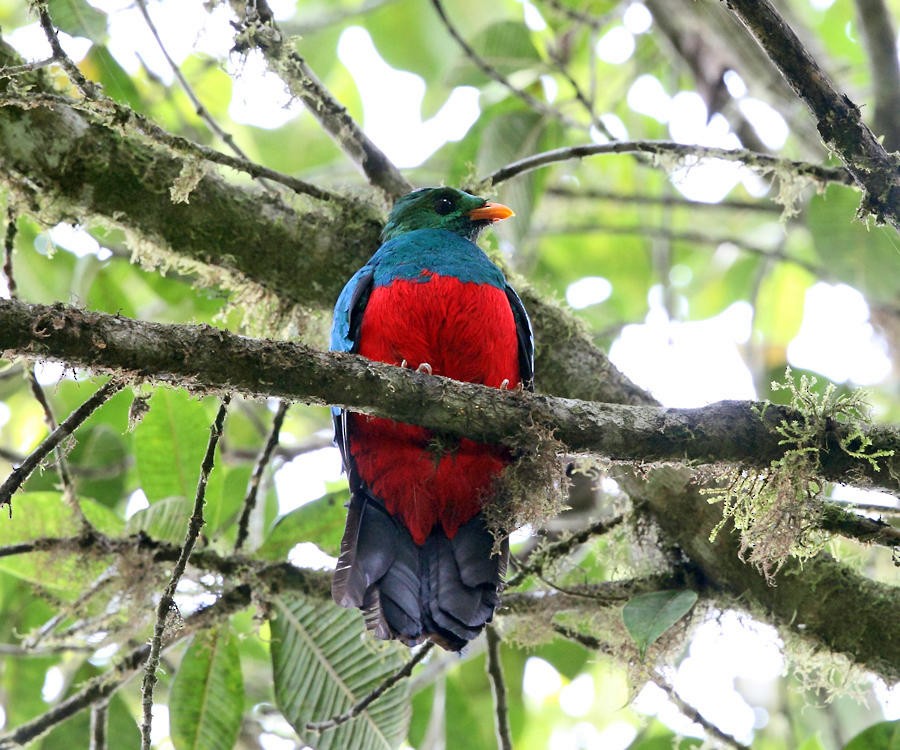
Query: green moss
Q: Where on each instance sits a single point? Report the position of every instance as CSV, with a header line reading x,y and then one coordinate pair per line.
x,y
778,510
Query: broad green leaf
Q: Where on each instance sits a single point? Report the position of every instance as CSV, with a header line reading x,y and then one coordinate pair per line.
x,y
323,664
505,45
814,743
121,727
170,443
102,450
206,702
102,518
321,522
166,520
78,18
779,307
864,257
99,65
45,515
648,616
882,736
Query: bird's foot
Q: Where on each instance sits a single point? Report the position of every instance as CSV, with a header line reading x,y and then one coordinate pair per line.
x,y
504,386
424,367
404,364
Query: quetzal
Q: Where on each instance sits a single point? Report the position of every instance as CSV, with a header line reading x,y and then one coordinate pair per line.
x,y
416,555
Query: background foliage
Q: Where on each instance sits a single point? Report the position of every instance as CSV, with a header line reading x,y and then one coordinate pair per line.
x,y
279,655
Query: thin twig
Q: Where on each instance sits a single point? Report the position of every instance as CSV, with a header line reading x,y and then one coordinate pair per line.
x,y
167,600
763,163
66,428
11,71
101,687
62,463
694,715
358,708
99,713
202,112
261,464
597,194
40,396
584,19
492,73
652,232
498,687
9,242
330,113
542,556
590,642
88,88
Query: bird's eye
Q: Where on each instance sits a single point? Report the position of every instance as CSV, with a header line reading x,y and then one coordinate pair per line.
x,y
443,206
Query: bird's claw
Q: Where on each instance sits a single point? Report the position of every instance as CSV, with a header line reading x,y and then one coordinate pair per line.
x,y
404,364
424,367
504,385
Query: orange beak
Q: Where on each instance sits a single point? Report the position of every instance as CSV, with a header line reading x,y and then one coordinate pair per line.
x,y
491,212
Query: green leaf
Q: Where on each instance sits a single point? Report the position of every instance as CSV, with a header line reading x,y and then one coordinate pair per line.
x,y
166,520
170,443
206,702
864,257
99,65
77,18
779,307
882,736
102,518
505,45
321,522
322,665
648,616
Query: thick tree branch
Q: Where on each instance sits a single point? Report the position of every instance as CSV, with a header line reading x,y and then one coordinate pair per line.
x,y
812,601
208,359
70,167
838,119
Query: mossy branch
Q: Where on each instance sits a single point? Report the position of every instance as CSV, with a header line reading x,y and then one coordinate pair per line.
x,y
207,359
838,119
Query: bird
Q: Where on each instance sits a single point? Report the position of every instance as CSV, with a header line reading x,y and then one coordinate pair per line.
x,y
417,556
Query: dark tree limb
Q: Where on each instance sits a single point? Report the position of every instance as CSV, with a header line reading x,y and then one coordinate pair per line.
x,y
879,31
839,120
207,359
812,601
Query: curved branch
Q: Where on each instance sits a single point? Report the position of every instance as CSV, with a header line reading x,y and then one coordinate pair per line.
x,y
330,113
763,163
206,358
839,120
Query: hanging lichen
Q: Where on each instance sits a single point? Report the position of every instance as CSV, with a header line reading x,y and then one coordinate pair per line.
x,y
778,510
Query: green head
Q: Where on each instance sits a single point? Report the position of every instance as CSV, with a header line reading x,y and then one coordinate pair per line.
x,y
443,208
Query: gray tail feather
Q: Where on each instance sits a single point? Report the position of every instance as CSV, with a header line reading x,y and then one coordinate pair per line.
x,y
445,590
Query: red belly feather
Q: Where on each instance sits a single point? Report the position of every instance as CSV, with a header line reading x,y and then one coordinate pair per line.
x,y
465,331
